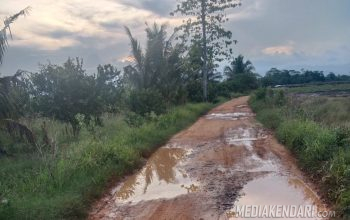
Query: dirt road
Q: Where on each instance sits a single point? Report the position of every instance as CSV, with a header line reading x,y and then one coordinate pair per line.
x,y
225,160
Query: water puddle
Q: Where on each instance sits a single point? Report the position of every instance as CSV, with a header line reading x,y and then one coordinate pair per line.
x,y
276,190
243,136
277,187
229,116
242,106
161,177
246,137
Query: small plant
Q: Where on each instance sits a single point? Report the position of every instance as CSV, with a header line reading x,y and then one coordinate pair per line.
x,y
261,93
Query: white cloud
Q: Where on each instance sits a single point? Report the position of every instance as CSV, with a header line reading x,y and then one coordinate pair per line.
x,y
127,59
248,10
279,50
102,20
45,43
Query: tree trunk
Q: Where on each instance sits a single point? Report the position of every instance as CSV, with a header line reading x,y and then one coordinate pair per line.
x,y
204,50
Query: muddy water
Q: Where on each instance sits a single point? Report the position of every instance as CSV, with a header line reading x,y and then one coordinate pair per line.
x,y
225,160
274,190
161,177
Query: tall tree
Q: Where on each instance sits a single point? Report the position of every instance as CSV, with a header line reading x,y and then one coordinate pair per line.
x,y
67,93
110,86
205,24
238,65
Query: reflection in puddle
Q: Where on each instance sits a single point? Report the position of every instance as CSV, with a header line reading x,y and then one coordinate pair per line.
x,y
160,178
242,136
277,190
246,137
274,188
229,116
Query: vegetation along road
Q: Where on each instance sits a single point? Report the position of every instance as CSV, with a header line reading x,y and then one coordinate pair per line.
x,y
225,160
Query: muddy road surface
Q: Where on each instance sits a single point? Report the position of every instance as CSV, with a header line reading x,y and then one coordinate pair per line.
x,y
225,160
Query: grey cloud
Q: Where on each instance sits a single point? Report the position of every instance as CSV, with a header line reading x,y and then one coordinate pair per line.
x,y
163,7
318,31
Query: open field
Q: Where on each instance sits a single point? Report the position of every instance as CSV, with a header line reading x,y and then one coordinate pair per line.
x,y
322,89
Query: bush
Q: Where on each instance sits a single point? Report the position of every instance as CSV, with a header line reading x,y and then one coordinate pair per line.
x,y
145,101
260,94
134,120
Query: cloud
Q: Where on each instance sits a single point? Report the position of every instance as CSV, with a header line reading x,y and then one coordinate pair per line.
x,y
45,43
279,50
162,8
127,59
53,24
287,34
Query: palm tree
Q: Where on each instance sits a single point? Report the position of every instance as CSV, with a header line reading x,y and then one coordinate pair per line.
x,y
238,66
3,32
156,67
9,113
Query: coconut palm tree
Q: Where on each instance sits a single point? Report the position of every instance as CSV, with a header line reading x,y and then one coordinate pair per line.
x,y
8,108
158,66
3,32
238,66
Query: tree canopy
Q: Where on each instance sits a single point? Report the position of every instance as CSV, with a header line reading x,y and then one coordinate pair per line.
x,y
238,66
287,77
205,25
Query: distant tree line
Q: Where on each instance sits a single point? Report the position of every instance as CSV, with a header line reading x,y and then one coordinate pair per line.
x,y
289,77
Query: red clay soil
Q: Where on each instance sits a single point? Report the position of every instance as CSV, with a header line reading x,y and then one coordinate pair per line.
x,y
223,160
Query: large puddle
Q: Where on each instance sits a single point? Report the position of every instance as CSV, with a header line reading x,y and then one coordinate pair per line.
x,y
229,116
246,137
275,190
162,177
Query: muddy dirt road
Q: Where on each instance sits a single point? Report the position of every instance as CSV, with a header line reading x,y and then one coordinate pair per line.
x,y
226,159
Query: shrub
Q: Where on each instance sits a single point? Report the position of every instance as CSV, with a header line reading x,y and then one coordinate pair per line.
x,y
145,101
280,98
260,94
133,119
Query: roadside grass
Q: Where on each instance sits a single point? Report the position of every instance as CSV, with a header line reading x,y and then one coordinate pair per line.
x,y
317,131
64,183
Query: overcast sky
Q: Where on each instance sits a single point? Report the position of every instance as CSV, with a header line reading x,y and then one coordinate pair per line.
x,y
292,34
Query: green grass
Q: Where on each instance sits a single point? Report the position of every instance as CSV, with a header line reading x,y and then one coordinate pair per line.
x,y
327,110
64,186
317,131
